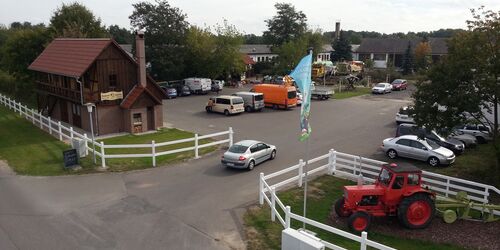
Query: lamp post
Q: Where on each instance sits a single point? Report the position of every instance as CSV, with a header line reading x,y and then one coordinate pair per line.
x,y
90,107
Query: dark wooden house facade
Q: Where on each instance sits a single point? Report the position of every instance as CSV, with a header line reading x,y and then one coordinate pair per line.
x,y
73,72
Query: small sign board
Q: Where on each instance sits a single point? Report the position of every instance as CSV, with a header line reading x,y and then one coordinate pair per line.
x,y
112,95
70,158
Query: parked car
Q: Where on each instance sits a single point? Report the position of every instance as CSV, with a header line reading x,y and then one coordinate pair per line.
x,y
299,98
277,96
247,154
382,88
410,146
255,81
180,88
410,129
252,101
469,141
171,92
404,115
198,85
399,84
225,104
481,132
217,84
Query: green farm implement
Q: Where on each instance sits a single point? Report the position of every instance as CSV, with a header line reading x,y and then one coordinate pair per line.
x,y
461,207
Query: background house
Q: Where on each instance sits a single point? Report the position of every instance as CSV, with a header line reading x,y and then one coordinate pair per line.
x,y
258,52
385,50
72,72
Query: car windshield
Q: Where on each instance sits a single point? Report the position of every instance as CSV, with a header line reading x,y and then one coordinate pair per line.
x,y
404,111
380,85
385,177
259,97
292,94
237,101
397,81
237,149
432,144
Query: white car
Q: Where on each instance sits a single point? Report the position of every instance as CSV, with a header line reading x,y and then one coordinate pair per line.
x,y
482,133
382,88
404,116
299,99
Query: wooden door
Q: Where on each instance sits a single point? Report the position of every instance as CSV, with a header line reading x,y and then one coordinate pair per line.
x,y
63,106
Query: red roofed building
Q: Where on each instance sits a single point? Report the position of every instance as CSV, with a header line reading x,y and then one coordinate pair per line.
x,y
73,72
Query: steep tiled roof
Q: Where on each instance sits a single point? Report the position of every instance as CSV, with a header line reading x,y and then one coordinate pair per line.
x,y
134,95
399,46
69,57
250,49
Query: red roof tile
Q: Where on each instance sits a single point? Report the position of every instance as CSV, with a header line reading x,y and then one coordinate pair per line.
x,y
248,60
134,95
69,57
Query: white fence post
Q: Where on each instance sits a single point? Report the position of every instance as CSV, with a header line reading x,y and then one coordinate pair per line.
x,y
261,189
364,237
273,204
231,136
86,143
301,171
33,115
354,165
71,135
59,130
103,156
287,217
196,151
50,125
487,194
41,119
447,187
153,152
330,162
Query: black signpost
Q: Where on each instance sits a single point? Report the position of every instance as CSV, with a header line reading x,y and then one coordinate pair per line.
x,y
70,158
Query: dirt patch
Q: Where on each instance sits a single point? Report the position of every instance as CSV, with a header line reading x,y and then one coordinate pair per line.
x,y
465,233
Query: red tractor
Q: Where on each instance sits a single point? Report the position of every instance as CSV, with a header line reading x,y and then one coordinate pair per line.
x,y
397,192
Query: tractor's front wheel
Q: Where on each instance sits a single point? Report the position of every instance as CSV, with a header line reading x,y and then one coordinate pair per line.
x,y
416,211
359,222
340,209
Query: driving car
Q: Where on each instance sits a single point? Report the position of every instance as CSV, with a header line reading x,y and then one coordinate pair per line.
x,y
226,104
399,84
410,146
247,154
411,129
404,115
382,88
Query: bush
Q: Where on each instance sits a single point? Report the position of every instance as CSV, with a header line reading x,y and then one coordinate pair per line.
x,y
380,75
7,83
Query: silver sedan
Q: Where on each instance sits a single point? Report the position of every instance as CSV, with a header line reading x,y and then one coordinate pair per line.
x,y
410,146
247,154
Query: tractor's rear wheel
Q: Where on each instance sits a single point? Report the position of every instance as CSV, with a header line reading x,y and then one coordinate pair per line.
x,y
340,209
359,221
416,211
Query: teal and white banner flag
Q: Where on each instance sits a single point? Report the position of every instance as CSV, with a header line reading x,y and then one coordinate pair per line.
x,y
302,76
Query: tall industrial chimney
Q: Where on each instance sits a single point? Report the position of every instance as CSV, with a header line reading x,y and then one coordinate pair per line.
x,y
141,58
337,30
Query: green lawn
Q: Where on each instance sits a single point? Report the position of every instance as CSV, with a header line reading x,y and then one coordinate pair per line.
x,y
31,151
351,93
264,234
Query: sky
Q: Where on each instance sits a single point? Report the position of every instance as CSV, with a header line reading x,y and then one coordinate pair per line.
x,y
385,16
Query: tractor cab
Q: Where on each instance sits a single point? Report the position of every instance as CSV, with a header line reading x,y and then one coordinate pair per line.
x,y
397,188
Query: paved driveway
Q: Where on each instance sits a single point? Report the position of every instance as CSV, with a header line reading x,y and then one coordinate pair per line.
x,y
192,205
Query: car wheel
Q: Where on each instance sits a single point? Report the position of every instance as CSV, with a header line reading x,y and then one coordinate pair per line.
x,y
433,161
251,165
248,108
480,140
275,106
392,153
273,155
226,112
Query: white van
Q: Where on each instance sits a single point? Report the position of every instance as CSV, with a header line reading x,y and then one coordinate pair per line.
x,y
253,101
198,85
225,104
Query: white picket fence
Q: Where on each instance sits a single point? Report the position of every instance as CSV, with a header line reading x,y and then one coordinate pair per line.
x,y
349,166
59,130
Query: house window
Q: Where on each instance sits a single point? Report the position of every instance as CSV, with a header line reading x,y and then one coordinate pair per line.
x,y
379,57
137,119
112,81
76,109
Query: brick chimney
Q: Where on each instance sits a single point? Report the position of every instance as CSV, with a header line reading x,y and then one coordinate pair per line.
x,y
337,30
141,58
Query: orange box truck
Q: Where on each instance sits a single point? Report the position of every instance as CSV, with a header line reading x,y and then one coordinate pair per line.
x,y
277,96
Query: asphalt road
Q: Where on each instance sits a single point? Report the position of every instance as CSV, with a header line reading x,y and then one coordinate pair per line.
x,y
191,205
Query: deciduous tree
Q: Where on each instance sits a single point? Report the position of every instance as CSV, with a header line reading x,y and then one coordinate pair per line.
x,y
408,61
287,25
75,20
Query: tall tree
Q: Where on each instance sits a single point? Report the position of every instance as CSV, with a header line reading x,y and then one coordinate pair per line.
x,y
228,58
342,49
288,24
165,29
75,20
408,61
466,83
121,35
200,46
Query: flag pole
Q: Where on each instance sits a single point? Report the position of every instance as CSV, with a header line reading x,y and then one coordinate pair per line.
x,y
310,51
